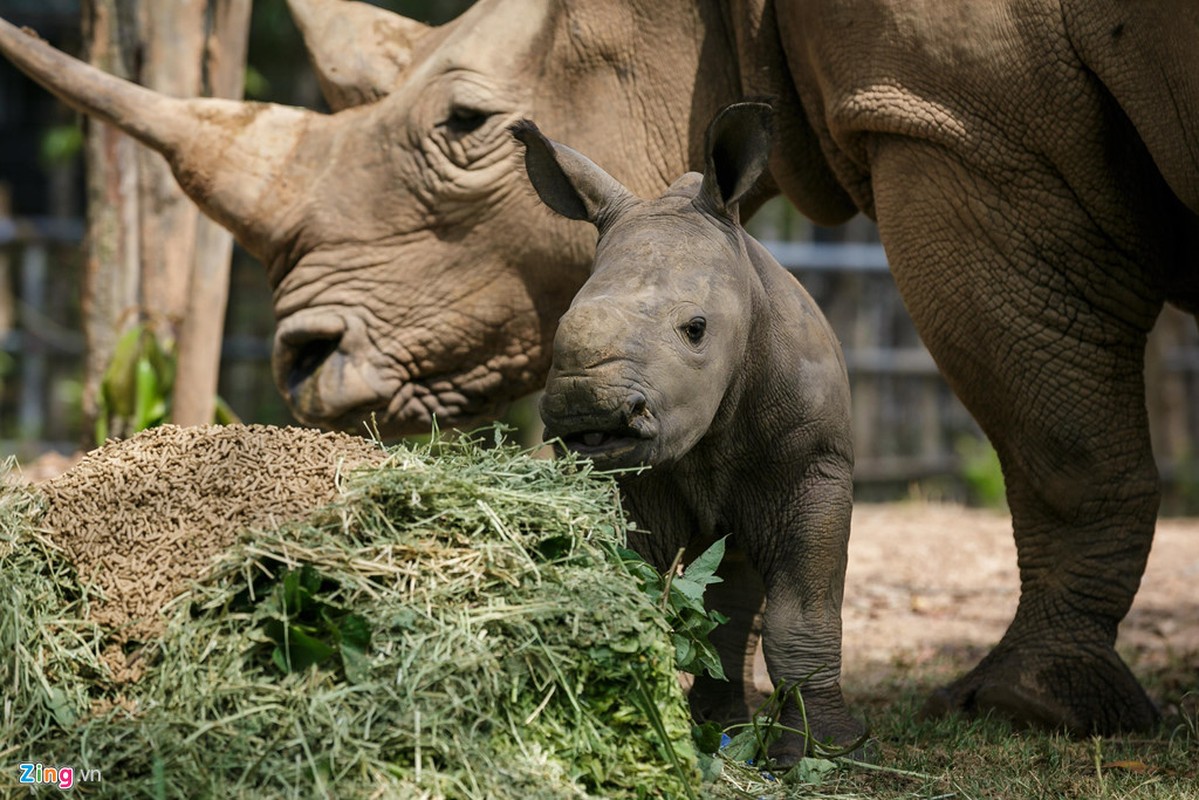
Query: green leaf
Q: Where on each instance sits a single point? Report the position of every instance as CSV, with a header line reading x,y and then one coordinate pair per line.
x,y
810,771
709,661
101,431
684,652
744,746
692,591
354,631
293,594
703,569
753,742
119,385
355,662
279,658
707,736
310,579
61,707
303,650
149,405
710,767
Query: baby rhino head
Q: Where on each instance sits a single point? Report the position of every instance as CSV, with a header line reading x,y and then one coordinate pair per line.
x,y
650,351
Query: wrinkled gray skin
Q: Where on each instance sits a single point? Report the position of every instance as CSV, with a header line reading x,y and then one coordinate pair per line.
x,y
1032,165
691,351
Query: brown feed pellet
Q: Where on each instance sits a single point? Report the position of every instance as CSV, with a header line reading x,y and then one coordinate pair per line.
x,y
144,516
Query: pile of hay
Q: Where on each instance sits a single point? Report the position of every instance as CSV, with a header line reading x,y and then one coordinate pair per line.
x,y
459,622
142,518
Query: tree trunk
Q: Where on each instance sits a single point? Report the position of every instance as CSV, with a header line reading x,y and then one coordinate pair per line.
x,y
151,257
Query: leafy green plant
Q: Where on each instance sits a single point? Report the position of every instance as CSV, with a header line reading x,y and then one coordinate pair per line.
x,y
307,630
982,473
135,392
681,598
136,388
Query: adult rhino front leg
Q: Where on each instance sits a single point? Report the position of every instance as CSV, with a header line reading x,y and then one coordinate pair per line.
x,y
1037,316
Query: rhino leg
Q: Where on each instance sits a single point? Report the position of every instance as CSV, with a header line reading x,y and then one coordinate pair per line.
x,y
1040,330
802,561
739,597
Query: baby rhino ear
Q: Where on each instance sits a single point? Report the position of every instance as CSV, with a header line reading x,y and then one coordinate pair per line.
x,y
737,147
567,181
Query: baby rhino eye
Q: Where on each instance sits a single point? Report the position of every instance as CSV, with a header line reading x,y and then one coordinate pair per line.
x,y
694,329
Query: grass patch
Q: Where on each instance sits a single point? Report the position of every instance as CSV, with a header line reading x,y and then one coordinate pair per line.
x,y
979,758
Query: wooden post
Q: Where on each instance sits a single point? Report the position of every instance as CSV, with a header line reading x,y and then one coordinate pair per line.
x,y
201,331
111,271
151,256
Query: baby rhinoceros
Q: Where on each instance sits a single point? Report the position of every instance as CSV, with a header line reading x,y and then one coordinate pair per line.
x,y
691,351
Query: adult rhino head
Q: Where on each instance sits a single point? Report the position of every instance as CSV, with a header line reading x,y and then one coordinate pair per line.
x,y
413,274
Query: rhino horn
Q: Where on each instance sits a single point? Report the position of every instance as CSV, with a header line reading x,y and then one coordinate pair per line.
x,y
225,154
94,92
359,51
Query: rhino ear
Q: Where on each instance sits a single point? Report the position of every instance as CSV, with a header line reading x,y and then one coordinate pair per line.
x,y
737,147
567,181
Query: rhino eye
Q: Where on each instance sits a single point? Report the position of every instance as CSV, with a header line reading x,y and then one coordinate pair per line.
x,y
694,329
464,120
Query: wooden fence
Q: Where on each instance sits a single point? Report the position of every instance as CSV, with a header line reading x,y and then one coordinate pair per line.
x,y
910,429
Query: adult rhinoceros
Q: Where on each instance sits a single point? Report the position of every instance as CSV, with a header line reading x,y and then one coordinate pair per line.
x,y
1033,167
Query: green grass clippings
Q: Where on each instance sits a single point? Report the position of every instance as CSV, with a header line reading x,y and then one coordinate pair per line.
x,y
460,623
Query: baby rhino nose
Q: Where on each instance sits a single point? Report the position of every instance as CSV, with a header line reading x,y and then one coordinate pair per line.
x,y
634,406
585,339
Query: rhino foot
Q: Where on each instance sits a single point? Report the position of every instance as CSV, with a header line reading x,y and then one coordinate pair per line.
x,y
832,731
1084,691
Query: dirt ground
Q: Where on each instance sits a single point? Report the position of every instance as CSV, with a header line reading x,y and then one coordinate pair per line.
x,y
931,587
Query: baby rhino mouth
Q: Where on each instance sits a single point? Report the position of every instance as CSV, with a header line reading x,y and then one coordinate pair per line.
x,y
606,444
613,437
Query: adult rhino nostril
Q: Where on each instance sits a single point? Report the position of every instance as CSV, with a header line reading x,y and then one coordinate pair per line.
x,y
303,343
307,357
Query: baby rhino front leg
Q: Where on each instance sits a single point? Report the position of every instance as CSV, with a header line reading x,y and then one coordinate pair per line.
x,y
802,555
